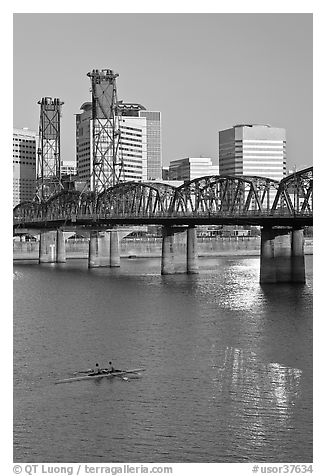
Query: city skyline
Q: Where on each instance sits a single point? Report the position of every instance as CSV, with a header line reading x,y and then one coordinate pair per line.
x,y
204,72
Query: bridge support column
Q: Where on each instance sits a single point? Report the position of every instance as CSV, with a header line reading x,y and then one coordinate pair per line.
x,y
99,249
267,264
114,249
47,249
298,263
192,250
167,262
282,256
61,247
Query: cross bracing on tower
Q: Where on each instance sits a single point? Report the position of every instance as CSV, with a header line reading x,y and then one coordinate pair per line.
x,y
107,162
49,161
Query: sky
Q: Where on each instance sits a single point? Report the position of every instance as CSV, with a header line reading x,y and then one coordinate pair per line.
x,y
205,72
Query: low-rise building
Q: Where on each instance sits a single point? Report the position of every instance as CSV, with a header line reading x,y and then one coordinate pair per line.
x,y
68,167
191,168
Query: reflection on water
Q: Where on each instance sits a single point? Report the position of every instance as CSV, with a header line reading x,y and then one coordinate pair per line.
x,y
228,364
17,275
246,378
257,391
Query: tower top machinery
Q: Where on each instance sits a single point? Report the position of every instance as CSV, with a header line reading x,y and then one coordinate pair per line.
x,y
48,180
107,162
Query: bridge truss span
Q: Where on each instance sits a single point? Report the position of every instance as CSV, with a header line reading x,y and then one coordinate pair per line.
x,y
63,206
239,200
27,212
136,199
295,194
225,195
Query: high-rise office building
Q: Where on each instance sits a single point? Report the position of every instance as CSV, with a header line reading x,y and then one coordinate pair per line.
x,y
191,168
83,142
133,148
154,144
153,139
253,149
24,165
133,142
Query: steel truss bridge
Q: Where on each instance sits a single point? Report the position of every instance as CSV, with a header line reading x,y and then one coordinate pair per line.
x,y
211,200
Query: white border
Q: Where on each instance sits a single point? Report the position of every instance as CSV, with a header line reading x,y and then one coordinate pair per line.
x,y
276,6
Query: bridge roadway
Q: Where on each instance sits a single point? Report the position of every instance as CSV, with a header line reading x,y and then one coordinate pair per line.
x,y
98,222
281,209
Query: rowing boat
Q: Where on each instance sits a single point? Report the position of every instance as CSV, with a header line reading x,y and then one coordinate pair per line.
x,y
119,373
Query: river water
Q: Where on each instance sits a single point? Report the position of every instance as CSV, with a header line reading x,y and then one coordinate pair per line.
x,y
228,364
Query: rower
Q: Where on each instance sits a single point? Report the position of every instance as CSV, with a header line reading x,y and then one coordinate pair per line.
x,y
97,369
110,367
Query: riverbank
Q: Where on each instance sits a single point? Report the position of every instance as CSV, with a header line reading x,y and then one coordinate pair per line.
x,y
151,247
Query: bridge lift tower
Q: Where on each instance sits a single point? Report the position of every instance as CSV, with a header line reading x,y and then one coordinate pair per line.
x,y
48,181
107,161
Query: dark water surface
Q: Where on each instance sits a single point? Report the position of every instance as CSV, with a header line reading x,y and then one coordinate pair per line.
x,y
228,364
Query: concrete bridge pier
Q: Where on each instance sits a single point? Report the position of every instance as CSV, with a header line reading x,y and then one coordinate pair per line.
x,y
47,248
282,256
298,263
99,249
267,264
192,250
167,261
114,249
60,247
